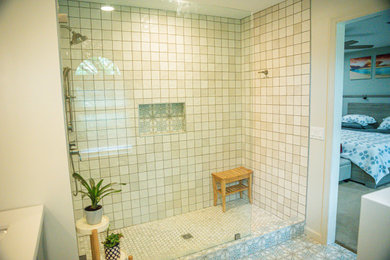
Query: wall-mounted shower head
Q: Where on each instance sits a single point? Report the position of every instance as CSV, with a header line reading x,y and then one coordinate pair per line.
x,y
76,37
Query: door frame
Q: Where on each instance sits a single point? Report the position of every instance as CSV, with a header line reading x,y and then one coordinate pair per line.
x,y
333,123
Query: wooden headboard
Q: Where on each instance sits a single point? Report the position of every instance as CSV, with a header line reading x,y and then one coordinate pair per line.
x,y
376,110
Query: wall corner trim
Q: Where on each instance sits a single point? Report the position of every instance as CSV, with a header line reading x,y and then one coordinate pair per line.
x,y
313,234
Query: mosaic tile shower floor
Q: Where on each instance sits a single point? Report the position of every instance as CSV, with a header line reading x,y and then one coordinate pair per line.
x,y
209,227
303,248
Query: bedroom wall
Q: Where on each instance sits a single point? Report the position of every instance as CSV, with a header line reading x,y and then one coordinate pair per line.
x,y
371,86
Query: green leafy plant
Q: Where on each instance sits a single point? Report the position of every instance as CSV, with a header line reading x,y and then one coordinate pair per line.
x,y
96,192
112,239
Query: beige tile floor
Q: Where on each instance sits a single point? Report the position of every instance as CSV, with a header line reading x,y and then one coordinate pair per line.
x,y
209,227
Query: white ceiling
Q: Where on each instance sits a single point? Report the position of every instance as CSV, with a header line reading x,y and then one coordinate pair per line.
x,y
373,30
225,8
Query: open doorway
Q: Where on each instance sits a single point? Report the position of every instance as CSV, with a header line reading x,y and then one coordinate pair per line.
x,y
364,77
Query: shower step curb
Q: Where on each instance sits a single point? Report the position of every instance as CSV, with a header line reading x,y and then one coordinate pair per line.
x,y
244,247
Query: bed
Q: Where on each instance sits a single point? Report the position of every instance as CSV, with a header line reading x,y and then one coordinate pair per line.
x,y
367,149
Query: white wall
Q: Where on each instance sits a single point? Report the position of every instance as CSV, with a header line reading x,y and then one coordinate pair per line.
x,y
33,156
324,15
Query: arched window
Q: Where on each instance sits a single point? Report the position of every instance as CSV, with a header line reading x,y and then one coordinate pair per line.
x,y
96,65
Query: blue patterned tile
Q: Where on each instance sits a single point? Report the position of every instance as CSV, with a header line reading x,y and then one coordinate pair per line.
x,y
161,125
242,249
304,248
160,110
145,126
176,124
161,118
145,111
177,110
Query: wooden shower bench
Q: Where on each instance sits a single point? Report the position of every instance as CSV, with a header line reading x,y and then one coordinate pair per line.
x,y
238,174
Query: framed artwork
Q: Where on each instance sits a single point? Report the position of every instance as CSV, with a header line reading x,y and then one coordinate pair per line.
x,y
360,68
382,66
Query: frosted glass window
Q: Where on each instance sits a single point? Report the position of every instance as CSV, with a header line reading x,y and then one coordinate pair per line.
x,y
161,118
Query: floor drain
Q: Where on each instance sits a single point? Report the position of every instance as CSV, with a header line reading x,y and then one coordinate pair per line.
x,y
187,236
237,236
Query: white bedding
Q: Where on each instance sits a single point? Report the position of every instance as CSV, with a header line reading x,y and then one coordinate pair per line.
x,y
369,151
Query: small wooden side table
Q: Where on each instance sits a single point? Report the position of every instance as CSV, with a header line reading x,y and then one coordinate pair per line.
x,y
84,228
238,174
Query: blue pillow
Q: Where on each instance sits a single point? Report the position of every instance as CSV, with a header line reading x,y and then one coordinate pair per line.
x,y
385,124
360,119
351,125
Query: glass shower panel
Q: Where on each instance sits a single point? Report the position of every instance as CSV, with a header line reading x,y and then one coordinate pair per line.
x,y
186,69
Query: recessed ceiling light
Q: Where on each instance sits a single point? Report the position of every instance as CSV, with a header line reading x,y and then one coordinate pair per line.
x,y
107,8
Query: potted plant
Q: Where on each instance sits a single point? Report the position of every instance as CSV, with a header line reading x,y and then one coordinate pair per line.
x,y
111,246
96,192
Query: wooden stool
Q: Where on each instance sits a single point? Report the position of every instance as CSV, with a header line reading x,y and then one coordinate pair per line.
x,y
238,174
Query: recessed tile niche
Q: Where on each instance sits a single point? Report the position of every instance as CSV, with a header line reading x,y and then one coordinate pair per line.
x,y
163,118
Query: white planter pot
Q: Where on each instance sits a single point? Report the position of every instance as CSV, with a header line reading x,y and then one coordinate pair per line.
x,y
94,216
